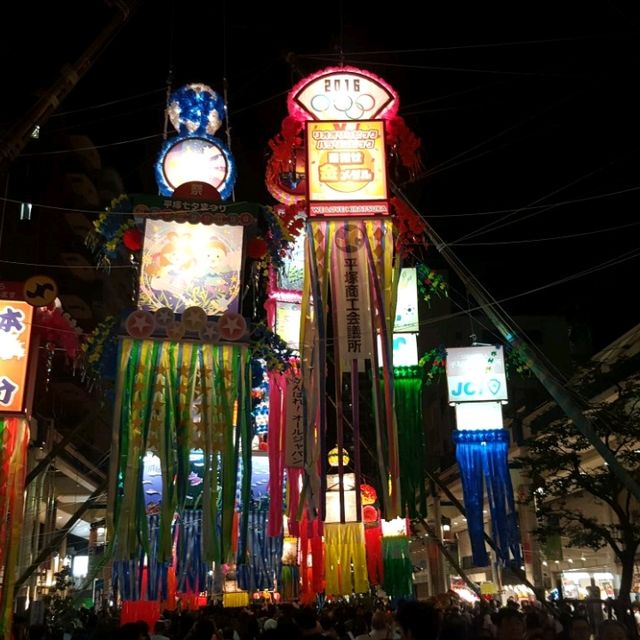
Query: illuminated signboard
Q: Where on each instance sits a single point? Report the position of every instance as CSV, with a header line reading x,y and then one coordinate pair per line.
x,y
16,319
191,265
342,93
405,350
407,304
346,165
479,415
476,374
288,317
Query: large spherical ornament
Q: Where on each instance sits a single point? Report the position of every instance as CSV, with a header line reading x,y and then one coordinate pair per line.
x,y
368,494
196,108
287,183
132,239
140,324
201,158
369,513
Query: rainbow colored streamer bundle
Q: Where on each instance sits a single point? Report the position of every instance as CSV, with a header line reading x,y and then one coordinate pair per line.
x,y
14,441
182,406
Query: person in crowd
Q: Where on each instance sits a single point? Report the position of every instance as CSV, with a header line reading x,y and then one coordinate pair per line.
x,y
380,627
612,630
132,631
580,628
160,630
310,628
417,621
509,624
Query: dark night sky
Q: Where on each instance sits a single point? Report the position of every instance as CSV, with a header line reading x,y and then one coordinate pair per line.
x,y
533,104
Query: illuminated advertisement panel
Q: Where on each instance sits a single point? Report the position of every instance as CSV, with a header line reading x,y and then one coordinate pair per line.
x,y
407,305
288,317
476,374
479,415
16,320
342,93
346,165
191,265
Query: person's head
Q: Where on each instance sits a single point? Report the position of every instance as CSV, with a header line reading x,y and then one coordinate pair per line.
x,y
131,631
612,630
379,621
308,621
417,620
509,624
160,628
580,628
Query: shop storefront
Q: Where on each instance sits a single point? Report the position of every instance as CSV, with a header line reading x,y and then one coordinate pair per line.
x,y
576,584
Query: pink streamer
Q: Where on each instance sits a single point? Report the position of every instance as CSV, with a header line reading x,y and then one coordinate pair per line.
x,y
293,478
277,417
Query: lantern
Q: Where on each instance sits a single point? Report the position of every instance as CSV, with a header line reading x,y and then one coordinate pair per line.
x,y
334,457
290,550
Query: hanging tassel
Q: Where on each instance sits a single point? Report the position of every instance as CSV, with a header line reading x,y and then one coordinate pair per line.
x,y
398,580
483,457
408,405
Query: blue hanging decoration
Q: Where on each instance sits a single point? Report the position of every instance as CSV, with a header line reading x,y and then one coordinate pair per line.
x,y
260,559
196,112
482,458
191,570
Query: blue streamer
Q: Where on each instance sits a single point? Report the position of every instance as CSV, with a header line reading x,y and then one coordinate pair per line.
x,y
259,561
482,457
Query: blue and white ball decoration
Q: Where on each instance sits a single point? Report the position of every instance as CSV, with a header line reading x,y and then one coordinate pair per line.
x,y
196,112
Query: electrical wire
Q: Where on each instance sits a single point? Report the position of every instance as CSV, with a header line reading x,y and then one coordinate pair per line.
x,y
529,240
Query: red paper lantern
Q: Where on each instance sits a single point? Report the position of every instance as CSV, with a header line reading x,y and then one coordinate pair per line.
x,y
132,239
368,494
256,248
369,513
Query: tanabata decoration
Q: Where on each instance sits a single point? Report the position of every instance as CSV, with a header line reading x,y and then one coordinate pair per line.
x,y
408,384
56,327
482,449
398,582
175,399
14,442
372,534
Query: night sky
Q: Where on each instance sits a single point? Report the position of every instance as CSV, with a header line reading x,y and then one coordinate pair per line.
x,y
518,109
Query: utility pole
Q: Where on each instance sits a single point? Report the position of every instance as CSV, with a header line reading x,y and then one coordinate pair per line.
x,y
565,399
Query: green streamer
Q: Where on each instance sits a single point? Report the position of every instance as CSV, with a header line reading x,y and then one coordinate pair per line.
x,y
398,581
408,401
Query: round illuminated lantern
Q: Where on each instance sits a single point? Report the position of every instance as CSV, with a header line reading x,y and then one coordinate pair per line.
x,y
196,111
369,514
333,457
368,494
287,182
189,158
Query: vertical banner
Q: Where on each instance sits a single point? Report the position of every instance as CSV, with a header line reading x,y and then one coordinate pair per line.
x,y
353,303
14,442
294,430
16,319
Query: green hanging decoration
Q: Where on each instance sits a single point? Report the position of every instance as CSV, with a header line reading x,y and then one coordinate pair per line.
x,y
408,405
398,580
430,283
174,398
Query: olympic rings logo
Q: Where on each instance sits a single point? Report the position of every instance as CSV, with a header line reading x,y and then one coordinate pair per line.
x,y
353,109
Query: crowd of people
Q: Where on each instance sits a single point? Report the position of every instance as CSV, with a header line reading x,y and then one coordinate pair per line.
x,y
408,620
